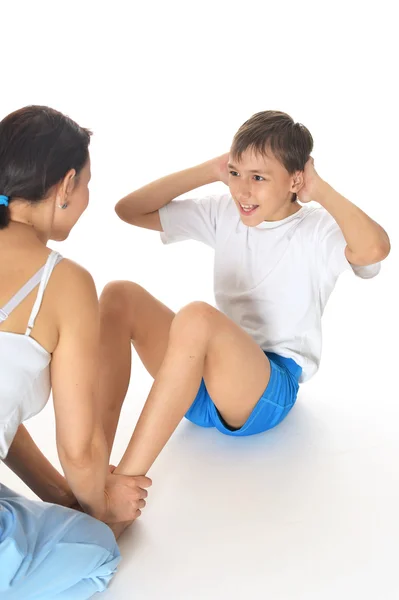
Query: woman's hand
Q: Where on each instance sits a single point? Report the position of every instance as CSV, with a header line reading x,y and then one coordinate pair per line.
x,y
125,497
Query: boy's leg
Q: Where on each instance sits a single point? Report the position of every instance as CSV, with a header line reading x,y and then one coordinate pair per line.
x,y
129,314
203,342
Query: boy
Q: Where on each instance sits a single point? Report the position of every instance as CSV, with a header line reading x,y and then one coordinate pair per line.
x,y
238,367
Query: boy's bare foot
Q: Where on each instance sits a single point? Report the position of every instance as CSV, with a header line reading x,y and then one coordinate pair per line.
x,y
119,528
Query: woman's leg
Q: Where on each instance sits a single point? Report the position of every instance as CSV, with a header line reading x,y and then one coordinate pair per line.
x,y
202,343
52,552
129,315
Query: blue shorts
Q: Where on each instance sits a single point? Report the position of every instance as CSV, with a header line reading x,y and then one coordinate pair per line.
x,y
274,405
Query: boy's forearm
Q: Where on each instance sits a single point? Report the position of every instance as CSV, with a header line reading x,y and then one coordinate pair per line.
x,y
367,241
157,194
26,460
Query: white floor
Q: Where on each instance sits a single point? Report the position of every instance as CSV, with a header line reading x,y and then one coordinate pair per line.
x,y
306,511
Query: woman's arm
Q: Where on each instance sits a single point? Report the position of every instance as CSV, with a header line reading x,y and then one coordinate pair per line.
x,y
26,460
81,442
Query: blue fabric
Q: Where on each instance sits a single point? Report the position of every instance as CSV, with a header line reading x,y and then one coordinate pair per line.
x,y
274,405
48,551
4,200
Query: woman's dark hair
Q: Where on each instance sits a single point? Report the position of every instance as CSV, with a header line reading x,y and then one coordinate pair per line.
x,y
38,146
276,132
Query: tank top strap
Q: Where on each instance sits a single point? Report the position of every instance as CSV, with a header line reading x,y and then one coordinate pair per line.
x,y
20,295
53,260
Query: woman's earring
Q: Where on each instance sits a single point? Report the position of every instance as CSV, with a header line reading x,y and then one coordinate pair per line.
x,y
63,206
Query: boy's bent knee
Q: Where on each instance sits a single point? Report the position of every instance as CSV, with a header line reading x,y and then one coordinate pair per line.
x,y
117,295
196,318
200,311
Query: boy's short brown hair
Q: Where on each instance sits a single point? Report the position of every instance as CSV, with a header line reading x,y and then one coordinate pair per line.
x,y
276,132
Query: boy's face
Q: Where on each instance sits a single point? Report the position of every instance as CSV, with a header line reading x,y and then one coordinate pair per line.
x,y
262,188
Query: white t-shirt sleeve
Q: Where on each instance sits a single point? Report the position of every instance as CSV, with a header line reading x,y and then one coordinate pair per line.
x,y
368,271
332,248
190,220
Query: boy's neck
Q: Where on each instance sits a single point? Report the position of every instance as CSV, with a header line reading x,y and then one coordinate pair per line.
x,y
285,212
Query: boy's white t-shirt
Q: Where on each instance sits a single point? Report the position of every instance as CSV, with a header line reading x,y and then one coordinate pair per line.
x,y
272,280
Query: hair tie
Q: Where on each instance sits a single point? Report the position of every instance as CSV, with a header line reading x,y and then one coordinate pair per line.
x,y
4,200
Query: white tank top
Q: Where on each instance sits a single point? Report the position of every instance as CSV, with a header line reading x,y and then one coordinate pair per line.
x,y
24,364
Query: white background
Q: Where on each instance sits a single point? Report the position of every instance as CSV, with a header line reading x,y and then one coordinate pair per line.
x,y
308,510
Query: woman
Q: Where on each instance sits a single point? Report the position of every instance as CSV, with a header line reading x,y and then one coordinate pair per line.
x,y
49,332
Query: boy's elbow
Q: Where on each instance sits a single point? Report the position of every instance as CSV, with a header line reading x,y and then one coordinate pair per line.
x,y
120,209
125,211
382,250
373,254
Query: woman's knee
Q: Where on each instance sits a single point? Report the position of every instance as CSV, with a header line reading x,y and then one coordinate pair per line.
x,y
57,536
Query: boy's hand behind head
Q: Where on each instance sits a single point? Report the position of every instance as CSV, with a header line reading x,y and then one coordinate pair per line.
x,y
311,181
221,169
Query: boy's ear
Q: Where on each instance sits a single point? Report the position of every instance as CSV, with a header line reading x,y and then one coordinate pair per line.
x,y
297,181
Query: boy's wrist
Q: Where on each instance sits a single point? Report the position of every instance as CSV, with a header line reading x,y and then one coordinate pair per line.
x,y
209,171
321,192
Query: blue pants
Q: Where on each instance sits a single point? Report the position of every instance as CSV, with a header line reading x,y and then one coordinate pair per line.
x,y
274,405
51,552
